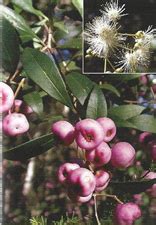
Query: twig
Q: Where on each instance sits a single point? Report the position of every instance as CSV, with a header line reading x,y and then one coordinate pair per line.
x,y
111,196
20,85
95,208
105,65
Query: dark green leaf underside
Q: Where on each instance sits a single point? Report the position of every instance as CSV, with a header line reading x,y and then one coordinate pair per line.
x,y
30,149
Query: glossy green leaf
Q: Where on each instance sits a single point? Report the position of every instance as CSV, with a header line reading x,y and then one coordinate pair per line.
x,y
80,86
34,100
27,6
97,106
125,111
111,88
133,187
31,148
144,123
123,123
74,43
18,22
10,47
43,71
79,5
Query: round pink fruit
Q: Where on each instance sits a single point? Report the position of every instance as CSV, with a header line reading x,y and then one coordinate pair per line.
x,y
123,155
145,137
6,96
126,214
102,180
152,190
81,181
15,124
89,134
65,169
153,150
100,155
65,131
109,128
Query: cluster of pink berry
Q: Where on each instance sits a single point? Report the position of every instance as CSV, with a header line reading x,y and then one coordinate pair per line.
x,y
92,137
14,123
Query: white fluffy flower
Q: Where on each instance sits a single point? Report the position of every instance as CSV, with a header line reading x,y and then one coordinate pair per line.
x,y
102,36
113,11
134,61
145,37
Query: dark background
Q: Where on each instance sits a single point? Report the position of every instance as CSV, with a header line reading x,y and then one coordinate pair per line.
x,y
141,14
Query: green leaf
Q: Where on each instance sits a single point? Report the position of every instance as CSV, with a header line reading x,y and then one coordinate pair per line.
x,y
34,100
97,106
74,43
31,148
125,111
18,22
80,86
111,88
44,72
79,5
144,123
123,123
10,47
133,187
28,7
61,26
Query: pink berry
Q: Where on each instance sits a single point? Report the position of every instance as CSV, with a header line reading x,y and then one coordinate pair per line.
x,y
152,190
145,137
6,96
153,150
123,155
65,169
138,199
65,131
15,124
109,128
102,180
100,155
126,214
89,134
81,181
20,106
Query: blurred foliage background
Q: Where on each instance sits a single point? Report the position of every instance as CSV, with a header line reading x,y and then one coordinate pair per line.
x,y
31,188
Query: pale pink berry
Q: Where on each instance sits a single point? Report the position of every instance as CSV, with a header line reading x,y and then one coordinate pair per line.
x,y
145,137
109,128
81,181
138,199
65,169
15,124
153,150
102,180
89,134
100,155
123,155
65,131
6,97
20,106
152,189
126,214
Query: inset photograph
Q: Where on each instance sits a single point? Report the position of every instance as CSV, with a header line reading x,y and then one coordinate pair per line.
x,y
119,36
